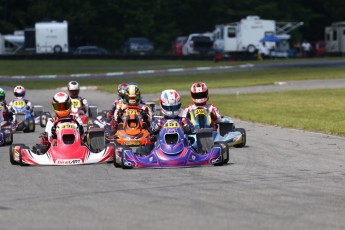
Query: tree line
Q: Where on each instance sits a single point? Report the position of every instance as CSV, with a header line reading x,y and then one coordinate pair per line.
x,y
109,23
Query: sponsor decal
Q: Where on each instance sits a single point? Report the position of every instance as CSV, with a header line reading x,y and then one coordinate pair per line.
x,y
68,162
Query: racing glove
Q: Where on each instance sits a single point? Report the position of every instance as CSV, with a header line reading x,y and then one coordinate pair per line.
x,y
54,132
143,113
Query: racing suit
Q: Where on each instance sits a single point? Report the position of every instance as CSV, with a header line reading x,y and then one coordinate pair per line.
x,y
6,115
145,112
81,103
27,102
214,112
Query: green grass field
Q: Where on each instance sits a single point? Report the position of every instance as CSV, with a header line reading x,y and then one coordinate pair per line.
x,y
313,110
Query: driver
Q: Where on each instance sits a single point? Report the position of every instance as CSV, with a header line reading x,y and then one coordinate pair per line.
x,y
61,103
133,98
77,101
170,103
6,114
19,94
199,93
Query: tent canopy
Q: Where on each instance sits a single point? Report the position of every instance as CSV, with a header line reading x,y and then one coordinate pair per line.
x,y
270,38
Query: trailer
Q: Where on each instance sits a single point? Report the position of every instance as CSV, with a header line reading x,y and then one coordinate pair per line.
x,y
11,43
335,38
244,36
51,37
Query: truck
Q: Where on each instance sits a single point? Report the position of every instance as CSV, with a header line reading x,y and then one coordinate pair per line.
x,y
47,37
198,44
244,36
335,38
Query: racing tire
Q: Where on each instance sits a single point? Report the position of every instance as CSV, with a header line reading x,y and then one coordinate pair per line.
x,y
222,151
2,142
21,163
11,137
26,126
117,164
43,120
32,125
244,138
11,152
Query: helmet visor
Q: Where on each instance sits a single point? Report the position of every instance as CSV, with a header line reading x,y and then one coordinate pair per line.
x,y
20,94
2,97
200,95
74,93
171,108
62,106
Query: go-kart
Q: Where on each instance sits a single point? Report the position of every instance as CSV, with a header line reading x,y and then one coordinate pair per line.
x,y
225,132
23,119
67,149
133,131
6,134
172,149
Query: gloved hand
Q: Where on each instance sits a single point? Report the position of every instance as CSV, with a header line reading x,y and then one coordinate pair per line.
x,y
186,129
143,113
120,113
54,132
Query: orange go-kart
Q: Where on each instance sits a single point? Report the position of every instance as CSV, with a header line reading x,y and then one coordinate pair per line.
x,y
133,131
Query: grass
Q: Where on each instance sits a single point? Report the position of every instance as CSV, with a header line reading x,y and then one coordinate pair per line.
x,y
313,110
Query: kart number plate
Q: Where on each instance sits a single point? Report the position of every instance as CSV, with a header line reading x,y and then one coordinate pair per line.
x,y
75,103
128,143
131,111
200,112
67,126
19,103
171,124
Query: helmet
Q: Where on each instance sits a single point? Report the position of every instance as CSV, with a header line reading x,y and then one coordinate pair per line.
x,y
19,91
61,104
170,102
199,93
132,95
121,89
2,95
73,89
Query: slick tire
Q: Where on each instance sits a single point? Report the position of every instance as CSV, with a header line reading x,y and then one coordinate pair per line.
x,y
222,152
244,138
11,152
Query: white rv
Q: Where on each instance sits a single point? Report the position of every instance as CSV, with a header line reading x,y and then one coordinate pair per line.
x,y
243,36
335,38
51,37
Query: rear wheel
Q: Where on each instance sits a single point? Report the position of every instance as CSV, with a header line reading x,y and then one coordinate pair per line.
x,y
12,152
122,159
244,138
8,136
222,152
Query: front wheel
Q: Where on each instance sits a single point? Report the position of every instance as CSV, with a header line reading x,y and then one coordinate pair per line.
x,y
244,138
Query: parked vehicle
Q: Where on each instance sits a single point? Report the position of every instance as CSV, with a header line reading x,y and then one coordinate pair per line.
x,y
335,38
90,50
198,44
138,46
177,45
47,37
245,35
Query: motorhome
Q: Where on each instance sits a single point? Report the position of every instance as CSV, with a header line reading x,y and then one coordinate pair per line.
x,y
335,38
245,36
47,37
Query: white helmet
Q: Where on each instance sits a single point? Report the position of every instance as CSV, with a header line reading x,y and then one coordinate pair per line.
x,y
170,102
73,89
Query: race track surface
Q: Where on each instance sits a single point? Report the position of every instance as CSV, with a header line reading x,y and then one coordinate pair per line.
x,y
283,179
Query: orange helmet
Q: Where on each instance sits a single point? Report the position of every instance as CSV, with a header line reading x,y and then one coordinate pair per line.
x,y
199,93
61,104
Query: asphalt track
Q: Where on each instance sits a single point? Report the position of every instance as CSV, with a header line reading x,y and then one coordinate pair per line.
x,y
283,179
